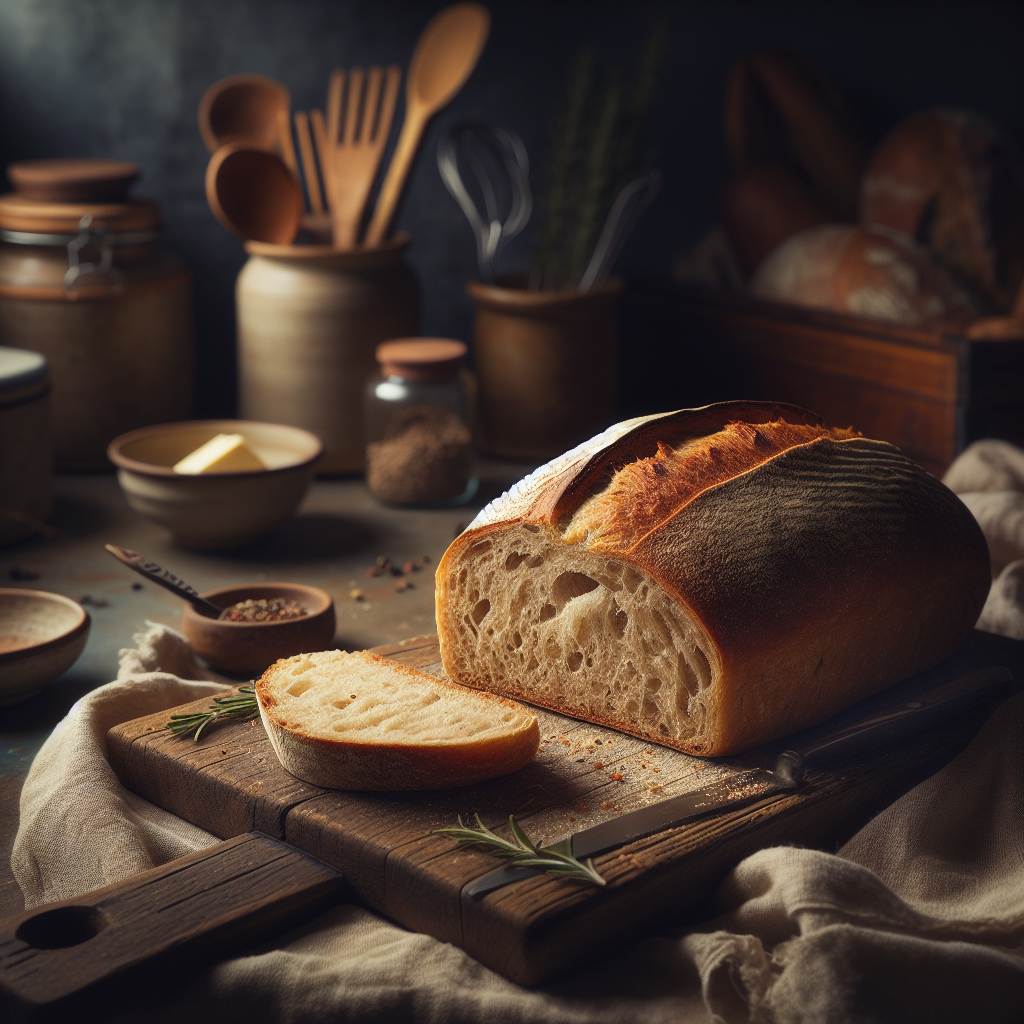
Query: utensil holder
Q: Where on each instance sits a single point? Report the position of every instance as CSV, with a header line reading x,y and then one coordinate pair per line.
x,y
309,321
545,362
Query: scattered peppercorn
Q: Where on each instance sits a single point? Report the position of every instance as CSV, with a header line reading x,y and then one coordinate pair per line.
x,y
401,585
264,609
356,594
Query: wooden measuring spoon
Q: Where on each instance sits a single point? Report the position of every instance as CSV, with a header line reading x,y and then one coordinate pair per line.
x,y
159,575
445,56
253,194
243,108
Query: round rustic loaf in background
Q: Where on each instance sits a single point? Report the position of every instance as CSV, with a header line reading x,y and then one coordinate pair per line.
x,y
951,180
874,273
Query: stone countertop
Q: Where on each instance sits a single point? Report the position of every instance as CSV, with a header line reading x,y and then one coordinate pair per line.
x,y
336,537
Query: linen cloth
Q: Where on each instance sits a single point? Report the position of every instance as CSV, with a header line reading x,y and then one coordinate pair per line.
x,y
918,918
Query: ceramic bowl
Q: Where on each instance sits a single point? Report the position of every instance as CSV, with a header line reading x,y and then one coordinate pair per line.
x,y
41,636
215,510
248,648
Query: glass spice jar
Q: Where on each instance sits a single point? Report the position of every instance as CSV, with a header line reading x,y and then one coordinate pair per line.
x,y
419,418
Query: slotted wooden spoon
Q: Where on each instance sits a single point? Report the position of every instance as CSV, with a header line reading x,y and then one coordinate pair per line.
x,y
353,153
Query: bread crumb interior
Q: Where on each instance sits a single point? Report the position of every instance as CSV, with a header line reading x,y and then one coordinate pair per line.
x,y
351,698
555,624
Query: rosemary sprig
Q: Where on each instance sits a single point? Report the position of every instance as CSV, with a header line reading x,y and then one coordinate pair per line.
x,y
524,853
241,706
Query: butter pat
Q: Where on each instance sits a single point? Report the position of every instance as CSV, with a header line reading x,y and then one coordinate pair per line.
x,y
225,453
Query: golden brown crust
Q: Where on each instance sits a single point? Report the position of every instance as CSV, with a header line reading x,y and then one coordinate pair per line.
x,y
818,576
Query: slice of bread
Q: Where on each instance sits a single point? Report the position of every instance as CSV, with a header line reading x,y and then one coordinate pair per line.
x,y
359,721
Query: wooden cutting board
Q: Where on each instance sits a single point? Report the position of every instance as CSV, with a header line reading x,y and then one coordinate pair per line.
x,y
231,783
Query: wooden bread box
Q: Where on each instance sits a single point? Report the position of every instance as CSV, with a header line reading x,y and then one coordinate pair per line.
x,y
929,393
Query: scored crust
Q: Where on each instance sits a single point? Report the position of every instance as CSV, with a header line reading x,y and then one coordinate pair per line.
x,y
711,579
359,721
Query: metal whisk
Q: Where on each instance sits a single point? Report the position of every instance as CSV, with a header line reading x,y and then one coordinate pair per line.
x,y
498,161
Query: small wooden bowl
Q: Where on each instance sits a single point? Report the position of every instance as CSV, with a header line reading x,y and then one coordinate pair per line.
x,y
41,636
249,648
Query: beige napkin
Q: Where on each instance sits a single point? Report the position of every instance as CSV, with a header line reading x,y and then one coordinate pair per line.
x,y
919,918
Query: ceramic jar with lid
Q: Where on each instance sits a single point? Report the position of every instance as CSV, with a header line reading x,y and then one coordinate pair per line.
x,y
309,320
85,283
419,413
26,450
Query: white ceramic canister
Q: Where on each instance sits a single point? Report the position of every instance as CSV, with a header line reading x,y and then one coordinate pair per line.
x,y
26,448
87,285
309,321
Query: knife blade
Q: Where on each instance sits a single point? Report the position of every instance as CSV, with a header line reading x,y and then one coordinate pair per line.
x,y
873,729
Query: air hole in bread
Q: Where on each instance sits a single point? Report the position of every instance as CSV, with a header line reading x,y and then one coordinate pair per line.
x,y
547,612
480,610
570,585
480,547
531,528
574,661
515,560
340,704
463,576
517,640
297,689
535,563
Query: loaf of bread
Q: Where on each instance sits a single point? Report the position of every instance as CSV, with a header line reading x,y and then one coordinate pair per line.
x,y
784,110
713,578
875,273
359,721
953,181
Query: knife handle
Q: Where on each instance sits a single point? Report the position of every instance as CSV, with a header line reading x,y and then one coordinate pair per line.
x,y
919,713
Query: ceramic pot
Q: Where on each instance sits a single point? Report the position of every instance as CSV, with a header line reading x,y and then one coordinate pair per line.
x,y
108,308
545,362
309,322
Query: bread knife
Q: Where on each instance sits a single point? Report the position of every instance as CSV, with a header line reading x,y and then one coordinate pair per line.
x,y
875,729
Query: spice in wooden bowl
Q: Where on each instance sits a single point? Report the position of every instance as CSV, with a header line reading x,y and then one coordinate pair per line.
x,y
270,609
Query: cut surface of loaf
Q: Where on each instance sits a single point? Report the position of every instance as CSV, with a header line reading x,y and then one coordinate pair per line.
x,y
713,578
359,721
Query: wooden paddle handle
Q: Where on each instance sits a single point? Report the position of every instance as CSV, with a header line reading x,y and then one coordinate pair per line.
x,y
398,172
64,961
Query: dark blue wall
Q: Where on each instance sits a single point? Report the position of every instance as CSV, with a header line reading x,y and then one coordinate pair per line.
x,y
123,79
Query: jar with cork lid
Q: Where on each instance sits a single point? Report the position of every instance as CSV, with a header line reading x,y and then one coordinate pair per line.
x,y
419,418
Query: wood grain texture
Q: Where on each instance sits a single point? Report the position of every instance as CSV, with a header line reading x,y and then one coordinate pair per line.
x,y
103,949
542,927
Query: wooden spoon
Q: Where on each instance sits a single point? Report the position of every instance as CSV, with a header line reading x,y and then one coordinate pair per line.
x,y
243,108
445,56
253,194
